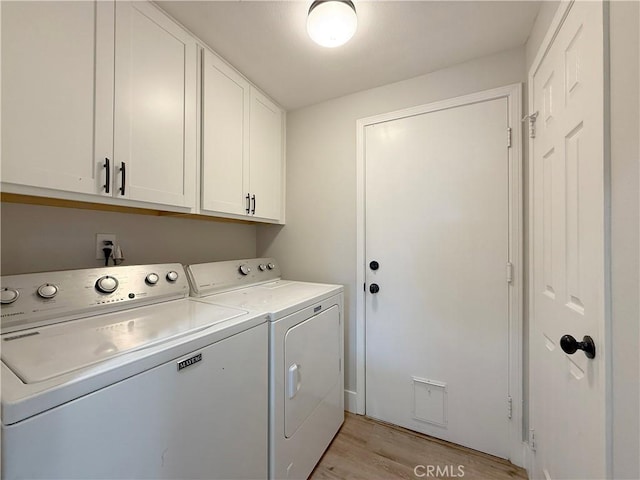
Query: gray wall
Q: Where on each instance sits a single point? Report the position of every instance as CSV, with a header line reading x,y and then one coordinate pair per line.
x,y
539,29
38,238
319,241
625,239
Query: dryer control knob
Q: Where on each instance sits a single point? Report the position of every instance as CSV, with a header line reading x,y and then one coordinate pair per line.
x,y
47,290
107,284
244,269
271,266
8,295
152,278
172,276
262,267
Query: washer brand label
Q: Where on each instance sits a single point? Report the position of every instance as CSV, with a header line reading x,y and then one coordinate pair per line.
x,y
189,361
13,314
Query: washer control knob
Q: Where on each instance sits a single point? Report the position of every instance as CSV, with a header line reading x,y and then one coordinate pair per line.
x,y
172,276
107,284
262,267
47,290
244,269
8,295
152,278
271,266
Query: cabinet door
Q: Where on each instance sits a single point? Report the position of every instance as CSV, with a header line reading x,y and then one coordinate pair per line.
x,y
266,156
57,77
155,106
225,137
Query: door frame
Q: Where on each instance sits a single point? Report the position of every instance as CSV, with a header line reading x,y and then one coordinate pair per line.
x,y
356,401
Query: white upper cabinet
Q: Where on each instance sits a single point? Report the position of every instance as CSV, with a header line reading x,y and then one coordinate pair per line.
x,y
242,159
57,79
225,138
155,106
100,104
98,98
265,166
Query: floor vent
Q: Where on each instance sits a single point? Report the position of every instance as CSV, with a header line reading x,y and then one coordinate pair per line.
x,y
430,401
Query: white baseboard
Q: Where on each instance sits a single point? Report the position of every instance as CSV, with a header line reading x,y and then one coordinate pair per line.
x,y
350,401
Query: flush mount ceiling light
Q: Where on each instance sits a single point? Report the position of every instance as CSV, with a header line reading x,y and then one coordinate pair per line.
x,y
332,23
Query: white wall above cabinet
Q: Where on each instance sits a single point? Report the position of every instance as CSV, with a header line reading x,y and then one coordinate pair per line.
x,y
68,128
242,157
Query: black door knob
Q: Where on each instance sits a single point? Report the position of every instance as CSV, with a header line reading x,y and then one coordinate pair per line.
x,y
570,345
374,288
374,265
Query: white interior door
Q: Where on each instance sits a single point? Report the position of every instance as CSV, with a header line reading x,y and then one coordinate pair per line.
x,y
568,239
437,222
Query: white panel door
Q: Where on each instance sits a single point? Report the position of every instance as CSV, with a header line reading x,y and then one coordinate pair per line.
x,y
568,234
225,138
265,157
437,223
57,77
155,107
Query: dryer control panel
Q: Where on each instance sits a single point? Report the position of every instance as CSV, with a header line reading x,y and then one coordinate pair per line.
x,y
217,277
36,299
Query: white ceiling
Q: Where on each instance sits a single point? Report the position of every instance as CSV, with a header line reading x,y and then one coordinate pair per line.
x,y
396,40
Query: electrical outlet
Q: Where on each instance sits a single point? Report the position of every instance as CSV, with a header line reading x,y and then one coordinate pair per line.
x,y
100,239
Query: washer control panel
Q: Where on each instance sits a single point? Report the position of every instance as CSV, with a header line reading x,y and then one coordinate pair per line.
x,y
41,298
216,277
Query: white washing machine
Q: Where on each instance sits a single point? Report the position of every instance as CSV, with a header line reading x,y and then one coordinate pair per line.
x,y
117,373
306,393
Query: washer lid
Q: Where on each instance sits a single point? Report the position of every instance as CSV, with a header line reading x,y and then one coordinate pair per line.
x,y
43,353
279,298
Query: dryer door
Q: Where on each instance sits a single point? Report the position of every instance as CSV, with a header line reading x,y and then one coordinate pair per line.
x,y
312,365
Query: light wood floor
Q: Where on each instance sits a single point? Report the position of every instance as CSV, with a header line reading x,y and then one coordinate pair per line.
x,y
371,450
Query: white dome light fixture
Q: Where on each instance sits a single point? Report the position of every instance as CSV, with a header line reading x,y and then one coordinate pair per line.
x,y
332,23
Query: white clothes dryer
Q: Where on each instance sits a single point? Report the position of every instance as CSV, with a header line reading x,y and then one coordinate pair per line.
x,y
306,392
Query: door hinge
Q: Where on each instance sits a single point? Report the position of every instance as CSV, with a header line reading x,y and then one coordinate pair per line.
x,y
509,137
509,407
532,123
532,439
509,272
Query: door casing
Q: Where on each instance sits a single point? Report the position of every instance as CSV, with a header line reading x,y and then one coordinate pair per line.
x,y
356,401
